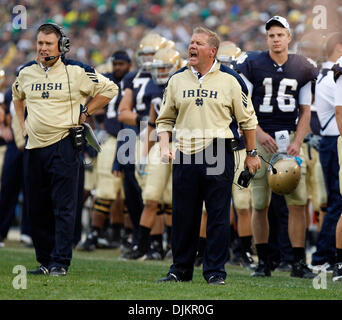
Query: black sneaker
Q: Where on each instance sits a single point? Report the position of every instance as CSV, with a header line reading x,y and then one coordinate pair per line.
x,y
102,243
337,274
301,270
153,255
170,277
126,244
262,270
58,272
156,252
41,270
246,261
90,243
134,254
216,280
284,267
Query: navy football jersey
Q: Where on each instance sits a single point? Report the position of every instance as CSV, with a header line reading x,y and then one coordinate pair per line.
x,y
138,83
111,122
155,94
276,88
9,108
8,101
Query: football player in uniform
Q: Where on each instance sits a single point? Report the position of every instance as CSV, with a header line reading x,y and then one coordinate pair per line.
x,y
134,111
107,185
337,273
280,86
158,186
324,257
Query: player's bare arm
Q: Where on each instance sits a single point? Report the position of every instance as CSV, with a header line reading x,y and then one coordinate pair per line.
x,y
252,163
151,129
19,106
125,110
268,143
98,102
302,130
165,152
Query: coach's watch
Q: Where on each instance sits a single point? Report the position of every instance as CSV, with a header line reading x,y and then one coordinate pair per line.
x,y
252,153
85,111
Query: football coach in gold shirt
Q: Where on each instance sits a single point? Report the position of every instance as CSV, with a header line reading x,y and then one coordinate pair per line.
x,y
206,102
54,90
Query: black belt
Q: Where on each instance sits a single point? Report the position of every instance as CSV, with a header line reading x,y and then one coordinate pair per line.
x,y
230,144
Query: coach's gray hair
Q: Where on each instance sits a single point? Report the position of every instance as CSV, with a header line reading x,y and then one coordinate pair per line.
x,y
213,38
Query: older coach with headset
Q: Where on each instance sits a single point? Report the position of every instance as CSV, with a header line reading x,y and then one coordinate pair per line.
x,y
205,101
54,90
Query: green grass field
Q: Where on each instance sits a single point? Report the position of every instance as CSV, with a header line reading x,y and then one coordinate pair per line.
x,y
99,275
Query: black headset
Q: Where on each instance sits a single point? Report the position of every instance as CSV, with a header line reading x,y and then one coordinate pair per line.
x,y
63,41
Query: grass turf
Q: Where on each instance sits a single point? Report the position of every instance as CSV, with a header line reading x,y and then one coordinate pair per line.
x,y
99,275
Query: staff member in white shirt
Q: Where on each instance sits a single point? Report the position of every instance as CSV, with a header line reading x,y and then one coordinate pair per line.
x,y
325,105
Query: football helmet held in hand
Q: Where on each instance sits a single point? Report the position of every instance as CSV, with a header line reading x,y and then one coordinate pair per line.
x,y
283,173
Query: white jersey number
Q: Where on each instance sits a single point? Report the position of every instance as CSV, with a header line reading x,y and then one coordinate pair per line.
x,y
156,102
111,113
141,84
286,102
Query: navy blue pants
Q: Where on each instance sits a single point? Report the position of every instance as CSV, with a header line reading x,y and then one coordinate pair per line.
x,y
52,176
80,202
278,241
192,185
133,199
11,186
326,243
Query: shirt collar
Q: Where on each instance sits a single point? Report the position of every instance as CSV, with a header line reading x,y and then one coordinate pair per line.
x,y
195,72
46,69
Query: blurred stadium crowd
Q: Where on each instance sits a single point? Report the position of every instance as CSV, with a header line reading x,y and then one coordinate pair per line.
x,y
99,27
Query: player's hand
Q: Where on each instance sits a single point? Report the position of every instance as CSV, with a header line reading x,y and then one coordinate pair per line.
x,y
266,141
6,134
293,149
117,173
252,163
166,155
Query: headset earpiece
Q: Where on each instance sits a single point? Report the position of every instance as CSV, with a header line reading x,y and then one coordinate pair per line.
x,y
63,41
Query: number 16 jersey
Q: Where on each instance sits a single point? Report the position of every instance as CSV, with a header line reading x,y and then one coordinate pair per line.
x,y
276,88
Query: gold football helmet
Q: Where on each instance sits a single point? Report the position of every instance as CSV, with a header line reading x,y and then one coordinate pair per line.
x,y
227,52
283,173
165,62
170,44
148,46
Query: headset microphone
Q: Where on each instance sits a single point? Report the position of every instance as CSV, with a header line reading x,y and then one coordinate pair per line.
x,y
50,58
